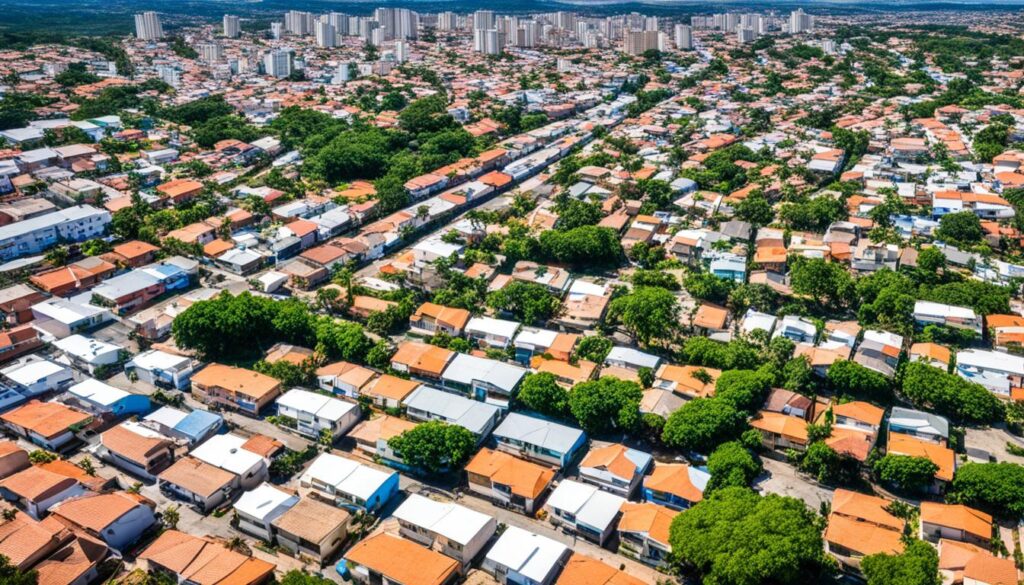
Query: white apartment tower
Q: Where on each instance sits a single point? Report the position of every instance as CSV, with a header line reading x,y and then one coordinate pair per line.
x,y
683,37
148,27
637,42
211,52
298,23
340,23
447,21
325,34
483,20
232,26
800,22
486,41
278,63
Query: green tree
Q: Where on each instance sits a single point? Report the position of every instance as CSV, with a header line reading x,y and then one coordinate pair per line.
x,y
950,395
706,286
587,245
540,393
918,564
745,390
10,575
911,474
648,313
605,405
593,348
529,302
702,424
823,281
297,577
434,446
852,379
735,537
962,228
575,213
997,488
731,465
755,209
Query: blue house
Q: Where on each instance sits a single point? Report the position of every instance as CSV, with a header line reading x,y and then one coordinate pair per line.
x,y
194,427
350,484
676,486
539,440
729,267
101,399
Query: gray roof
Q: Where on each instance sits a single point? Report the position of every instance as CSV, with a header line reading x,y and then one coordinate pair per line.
x,y
459,410
540,432
923,422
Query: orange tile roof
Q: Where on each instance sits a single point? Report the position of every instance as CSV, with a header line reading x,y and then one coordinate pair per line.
x,y
932,351
860,411
865,508
382,427
452,317
196,476
958,516
991,570
131,445
523,477
945,458
791,427
423,357
611,458
862,537
240,380
584,570
202,561
647,517
47,419
674,478
95,511
392,387
686,381
402,561
35,484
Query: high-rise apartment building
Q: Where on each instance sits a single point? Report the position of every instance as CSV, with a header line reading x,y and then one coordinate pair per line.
x,y
300,23
232,26
278,63
483,20
683,37
325,34
148,27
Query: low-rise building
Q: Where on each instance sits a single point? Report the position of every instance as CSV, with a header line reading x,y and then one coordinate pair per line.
x,y
136,449
644,532
257,509
539,440
203,486
676,485
427,404
615,468
118,518
507,480
349,484
187,559
520,556
585,510
313,529
316,415
235,388
383,558
450,529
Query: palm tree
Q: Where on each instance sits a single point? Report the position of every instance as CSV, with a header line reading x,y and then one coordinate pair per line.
x,y
171,517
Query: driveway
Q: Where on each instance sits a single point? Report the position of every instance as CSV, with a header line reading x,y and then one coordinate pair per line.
x,y
782,479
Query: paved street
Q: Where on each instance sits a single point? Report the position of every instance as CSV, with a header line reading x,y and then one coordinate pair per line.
x,y
783,479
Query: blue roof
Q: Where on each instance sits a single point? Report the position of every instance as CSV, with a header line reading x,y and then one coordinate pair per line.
x,y
197,422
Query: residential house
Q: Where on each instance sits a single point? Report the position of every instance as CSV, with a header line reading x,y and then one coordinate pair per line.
x,y
372,436
161,369
383,558
532,341
16,303
118,518
228,452
349,484
644,532
929,313
522,557
955,522
539,440
430,319
797,329
686,381
60,318
12,458
933,354
389,391
136,449
50,425
676,486
316,415
203,486
313,529
192,427
879,351
235,388
35,490
494,333
427,404
781,431
922,425
450,529
343,378
995,370
584,570
89,354
104,401
258,508
507,480
491,381
860,525
32,377
421,360
615,468
585,510
943,457
185,558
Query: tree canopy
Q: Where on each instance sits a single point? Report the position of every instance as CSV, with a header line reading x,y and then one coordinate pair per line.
x,y
607,404
434,446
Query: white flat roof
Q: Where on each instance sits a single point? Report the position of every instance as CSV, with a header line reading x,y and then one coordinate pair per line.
x,y
155,359
97,392
347,476
32,372
452,521
265,502
531,555
492,326
226,452
317,404
591,506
